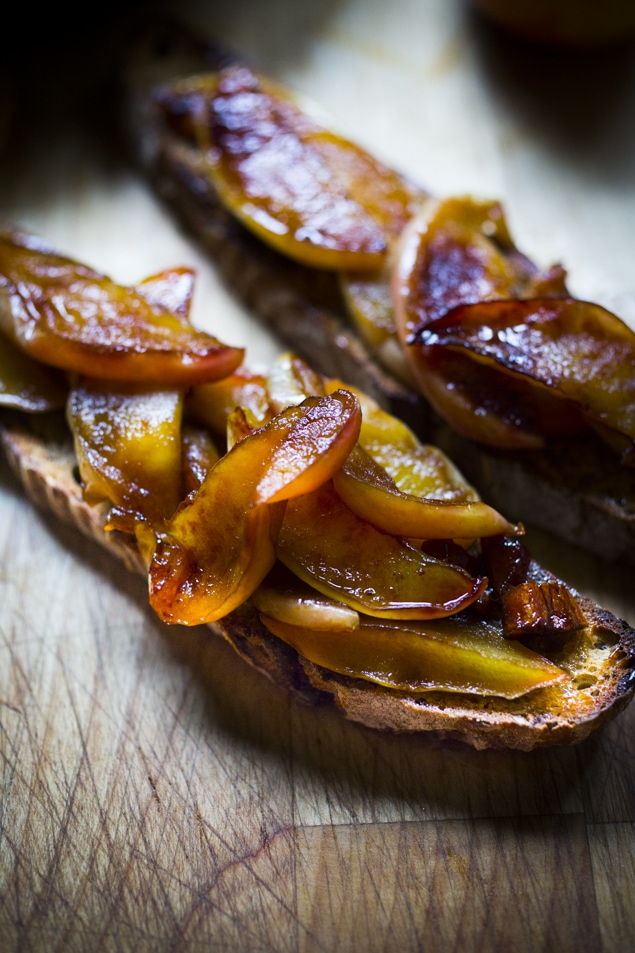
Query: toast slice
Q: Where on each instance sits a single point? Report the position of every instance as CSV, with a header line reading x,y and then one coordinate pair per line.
x,y
573,488
600,657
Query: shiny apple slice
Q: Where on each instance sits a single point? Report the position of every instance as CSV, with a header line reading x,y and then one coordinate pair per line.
x,y
211,404
418,469
343,557
369,491
459,251
219,545
314,449
576,356
171,290
307,192
67,315
290,380
284,597
199,456
26,384
128,447
449,655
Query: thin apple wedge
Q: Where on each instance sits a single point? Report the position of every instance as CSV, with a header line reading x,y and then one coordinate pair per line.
x,y
450,655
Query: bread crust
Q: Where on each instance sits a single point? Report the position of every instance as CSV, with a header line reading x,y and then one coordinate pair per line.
x,y
600,658
574,488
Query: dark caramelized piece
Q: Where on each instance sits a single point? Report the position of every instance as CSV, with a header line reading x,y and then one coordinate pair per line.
x,y
537,608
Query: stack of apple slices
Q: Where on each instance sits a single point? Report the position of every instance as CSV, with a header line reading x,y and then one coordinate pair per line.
x,y
363,549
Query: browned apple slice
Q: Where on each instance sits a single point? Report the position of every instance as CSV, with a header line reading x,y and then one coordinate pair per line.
x,y
369,491
128,447
67,315
307,192
219,545
313,450
459,251
329,547
171,289
285,597
211,404
575,357
450,655
26,384
290,380
199,456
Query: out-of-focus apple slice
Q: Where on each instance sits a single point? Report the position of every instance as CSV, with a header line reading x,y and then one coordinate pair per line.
x,y
304,190
450,655
342,556
67,315
459,251
576,359
26,384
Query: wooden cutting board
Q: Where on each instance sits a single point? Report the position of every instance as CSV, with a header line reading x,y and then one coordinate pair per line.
x,y
155,793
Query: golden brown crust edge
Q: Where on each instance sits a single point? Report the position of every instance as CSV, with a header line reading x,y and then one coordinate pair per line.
x,y
42,458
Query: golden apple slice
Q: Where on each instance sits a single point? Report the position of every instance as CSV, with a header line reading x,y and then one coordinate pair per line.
x,y
171,289
313,450
211,404
128,447
67,315
369,491
286,598
307,192
449,655
219,545
576,358
329,547
199,456
26,384
290,380
459,251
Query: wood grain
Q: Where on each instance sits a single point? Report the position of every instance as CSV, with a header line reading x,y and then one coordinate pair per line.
x,y
155,792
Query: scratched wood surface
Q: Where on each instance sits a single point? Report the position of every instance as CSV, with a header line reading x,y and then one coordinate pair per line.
x,y
156,794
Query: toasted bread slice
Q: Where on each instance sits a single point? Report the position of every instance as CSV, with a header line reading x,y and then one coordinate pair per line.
x,y
599,658
574,488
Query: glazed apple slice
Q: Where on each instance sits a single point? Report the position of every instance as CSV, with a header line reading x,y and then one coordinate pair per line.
x,y
369,491
128,447
307,192
286,598
345,558
219,545
449,655
575,358
211,404
26,384
459,251
67,315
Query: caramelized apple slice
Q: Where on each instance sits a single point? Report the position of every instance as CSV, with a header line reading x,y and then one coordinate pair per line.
x,y
26,384
576,357
69,316
459,251
171,290
315,449
302,189
285,598
128,447
199,456
290,380
450,655
329,547
211,404
220,543
418,469
369,491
